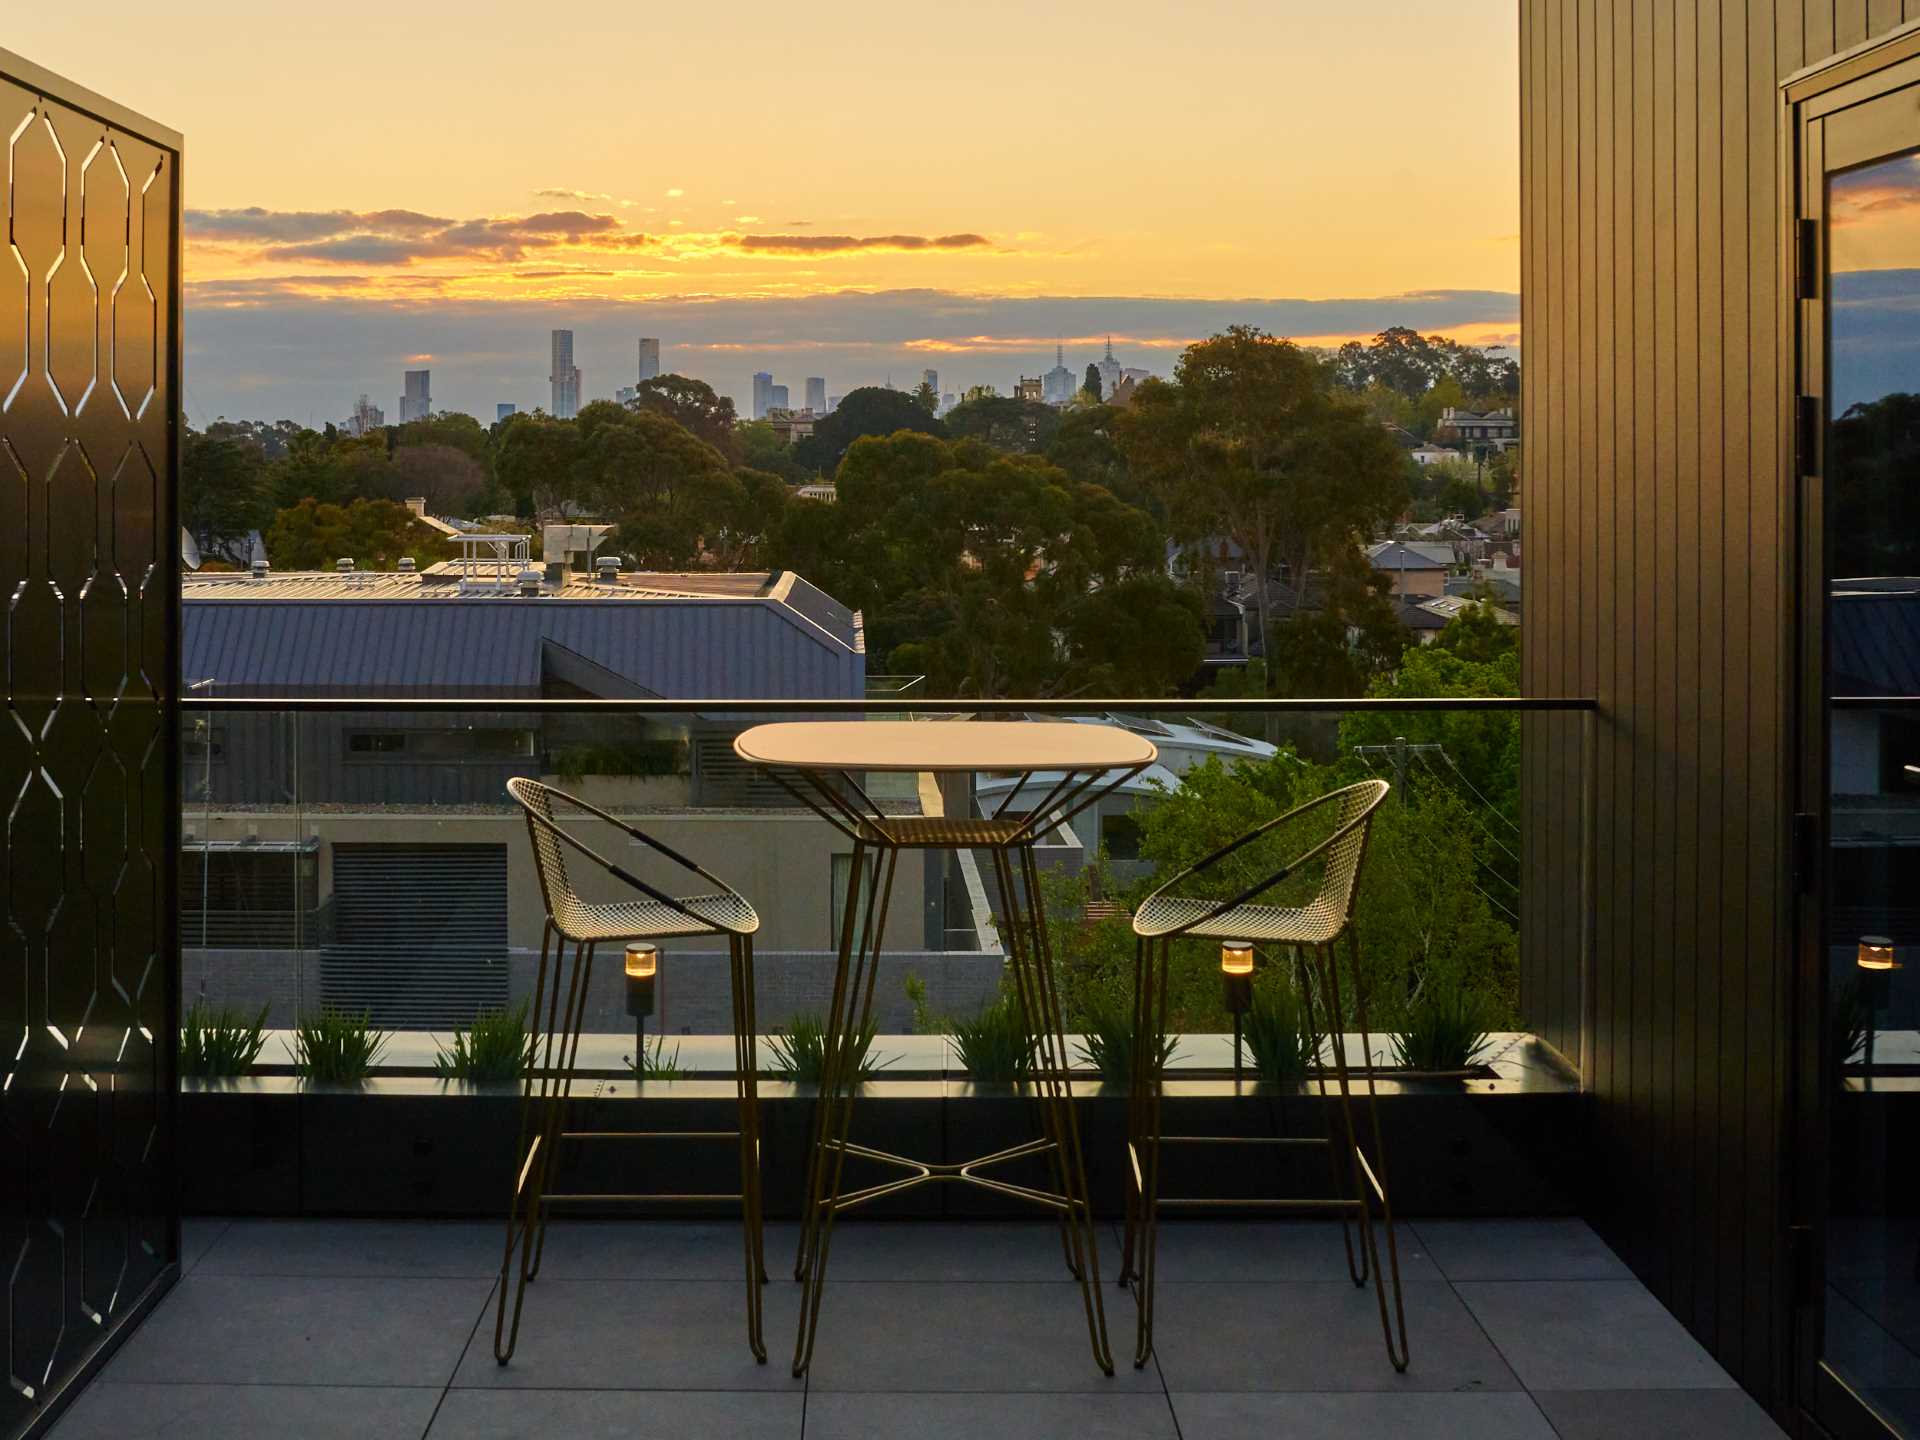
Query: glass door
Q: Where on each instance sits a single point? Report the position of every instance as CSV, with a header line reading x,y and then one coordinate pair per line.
x,y
1859,564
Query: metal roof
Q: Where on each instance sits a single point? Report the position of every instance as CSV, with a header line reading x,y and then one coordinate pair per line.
x,y
725,636
1874,635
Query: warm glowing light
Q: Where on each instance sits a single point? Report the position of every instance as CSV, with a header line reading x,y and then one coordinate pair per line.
x,y
1236,958
643,960
1876,953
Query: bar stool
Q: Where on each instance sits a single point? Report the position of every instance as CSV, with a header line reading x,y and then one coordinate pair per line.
x,y
548,1087
1311,929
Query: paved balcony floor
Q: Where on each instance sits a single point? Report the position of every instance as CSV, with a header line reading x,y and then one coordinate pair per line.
x,y
1520,1330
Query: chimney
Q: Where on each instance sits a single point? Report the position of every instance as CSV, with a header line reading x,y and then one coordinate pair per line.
x,y
556,573
406,565
609,569
418,505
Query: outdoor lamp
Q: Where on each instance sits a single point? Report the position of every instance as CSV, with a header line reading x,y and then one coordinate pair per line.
x,y
1875,953
1876,964
643,965
1236,976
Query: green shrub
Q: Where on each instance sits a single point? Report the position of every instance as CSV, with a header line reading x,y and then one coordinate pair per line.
x,y
994,1045
498,1047
1849,1013
632,757
1275,1027
1446,1028
336,1046
799,1051
220,1041
1107,1044
655,1063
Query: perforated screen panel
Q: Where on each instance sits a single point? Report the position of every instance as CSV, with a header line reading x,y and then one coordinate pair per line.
x,y
89,970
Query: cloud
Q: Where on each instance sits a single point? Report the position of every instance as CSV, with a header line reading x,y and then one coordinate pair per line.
x,y
399,238
297,346
260,225
586,197
675,193
841,244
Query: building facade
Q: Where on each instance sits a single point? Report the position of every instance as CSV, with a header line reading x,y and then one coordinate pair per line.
x,y
564,377
416,397
817,394
762,394
649,358
503,410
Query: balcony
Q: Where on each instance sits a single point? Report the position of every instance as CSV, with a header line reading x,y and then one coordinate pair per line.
x,y
1523,1330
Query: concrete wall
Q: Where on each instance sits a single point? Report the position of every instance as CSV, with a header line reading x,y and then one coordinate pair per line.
x,y
780,860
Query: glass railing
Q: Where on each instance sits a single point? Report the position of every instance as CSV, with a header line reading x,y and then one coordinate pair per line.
x,y
362,859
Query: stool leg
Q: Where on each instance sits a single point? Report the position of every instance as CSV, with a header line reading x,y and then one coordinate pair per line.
x,y
1380,1161
1151,1041
519,1206
749,1143
537,1168
1363,1178
751,1046
1339,1172
1136,1094
563,1100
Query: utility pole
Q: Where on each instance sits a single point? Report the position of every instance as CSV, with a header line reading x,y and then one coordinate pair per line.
x,y
1398,752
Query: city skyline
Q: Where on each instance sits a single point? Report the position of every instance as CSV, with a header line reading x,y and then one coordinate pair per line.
x,y
971,253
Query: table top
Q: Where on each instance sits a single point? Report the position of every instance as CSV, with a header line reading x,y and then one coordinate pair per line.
x,y
943,745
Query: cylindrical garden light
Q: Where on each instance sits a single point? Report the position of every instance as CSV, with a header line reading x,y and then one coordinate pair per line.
x,y
643,967
1236,977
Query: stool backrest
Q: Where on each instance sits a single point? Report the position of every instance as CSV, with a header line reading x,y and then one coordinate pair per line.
x,y
1346,850
549,855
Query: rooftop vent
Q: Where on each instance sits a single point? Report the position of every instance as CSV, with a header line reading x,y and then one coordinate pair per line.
x,y
609,569
406,565
260,569
344,565
529,582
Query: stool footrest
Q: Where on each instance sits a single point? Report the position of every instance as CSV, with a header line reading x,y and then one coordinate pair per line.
x,y
581,1198
649,1134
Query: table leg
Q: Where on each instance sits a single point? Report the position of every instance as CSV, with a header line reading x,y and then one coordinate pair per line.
x,y
810,1196
840,1078
1030,951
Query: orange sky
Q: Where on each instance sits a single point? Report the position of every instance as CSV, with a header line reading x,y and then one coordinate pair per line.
x,y
606,154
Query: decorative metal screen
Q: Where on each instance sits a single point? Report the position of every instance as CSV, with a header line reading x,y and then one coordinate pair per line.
x,y
89,968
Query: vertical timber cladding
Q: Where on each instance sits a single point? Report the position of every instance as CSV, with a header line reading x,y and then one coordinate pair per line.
x,y
89,969
1658,534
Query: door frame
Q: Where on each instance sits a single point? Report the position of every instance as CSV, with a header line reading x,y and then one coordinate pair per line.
x,y
1828,122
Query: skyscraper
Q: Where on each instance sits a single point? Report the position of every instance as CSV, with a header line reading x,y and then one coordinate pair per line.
x,y
777,398
565,378
931,379
1110,373
817,394
503,410
762,394
649,358
416,403
1060,386
366,416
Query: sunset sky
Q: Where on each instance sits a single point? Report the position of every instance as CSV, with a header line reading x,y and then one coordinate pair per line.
x,y
847,190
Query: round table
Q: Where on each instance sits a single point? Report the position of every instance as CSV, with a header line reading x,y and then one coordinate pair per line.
x,y
1068,766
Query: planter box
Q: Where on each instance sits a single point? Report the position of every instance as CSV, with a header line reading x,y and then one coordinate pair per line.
x,y
418,1148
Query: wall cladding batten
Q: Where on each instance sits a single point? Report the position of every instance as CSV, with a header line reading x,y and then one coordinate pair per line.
x,y
89,969
1657,521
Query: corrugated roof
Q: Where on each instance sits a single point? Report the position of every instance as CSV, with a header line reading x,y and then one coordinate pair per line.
x,y
405,635
1874,631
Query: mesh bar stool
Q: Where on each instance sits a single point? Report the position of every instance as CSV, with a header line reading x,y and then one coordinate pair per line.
x,y
1310,931
548,1085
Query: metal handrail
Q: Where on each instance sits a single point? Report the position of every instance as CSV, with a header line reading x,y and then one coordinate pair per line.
x,y
1517,704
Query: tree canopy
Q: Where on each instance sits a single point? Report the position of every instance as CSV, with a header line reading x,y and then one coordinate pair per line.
x,y
1005,423
870,410
373,533
996,574
694,405
1252,442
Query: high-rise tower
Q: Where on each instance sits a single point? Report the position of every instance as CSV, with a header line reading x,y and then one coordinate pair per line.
x,y
565,377
649,358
